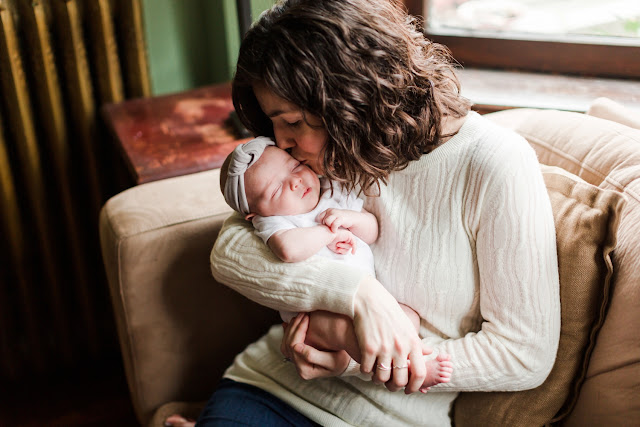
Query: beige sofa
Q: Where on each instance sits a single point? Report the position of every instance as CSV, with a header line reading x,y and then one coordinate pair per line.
x,y
179,328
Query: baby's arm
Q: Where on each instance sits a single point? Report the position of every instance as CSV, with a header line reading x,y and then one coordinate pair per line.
x,y
363,224
298,244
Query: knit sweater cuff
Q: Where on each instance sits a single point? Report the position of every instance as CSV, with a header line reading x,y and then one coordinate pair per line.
x,y
353,370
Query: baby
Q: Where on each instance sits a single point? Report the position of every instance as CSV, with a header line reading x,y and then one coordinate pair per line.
x,y
299,215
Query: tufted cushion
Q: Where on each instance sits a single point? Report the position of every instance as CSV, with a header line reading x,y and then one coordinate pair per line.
x,y
586,220
605,154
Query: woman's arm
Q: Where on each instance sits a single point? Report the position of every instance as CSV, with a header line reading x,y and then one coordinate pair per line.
x,y
316,341
241,260
333,332
516,346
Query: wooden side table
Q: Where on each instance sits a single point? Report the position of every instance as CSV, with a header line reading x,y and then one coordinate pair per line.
x,y
172,135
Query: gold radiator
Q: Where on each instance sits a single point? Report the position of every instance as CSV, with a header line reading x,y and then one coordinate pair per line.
x,y
60,60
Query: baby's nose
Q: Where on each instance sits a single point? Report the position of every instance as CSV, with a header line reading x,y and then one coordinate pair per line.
x,y
295,183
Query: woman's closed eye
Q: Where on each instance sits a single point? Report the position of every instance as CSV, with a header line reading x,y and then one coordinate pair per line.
x,y
294,124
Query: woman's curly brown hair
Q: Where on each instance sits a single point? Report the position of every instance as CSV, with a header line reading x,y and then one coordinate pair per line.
x,y
365,68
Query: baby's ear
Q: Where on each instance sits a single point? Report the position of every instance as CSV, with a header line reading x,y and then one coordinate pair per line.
x,y
249,216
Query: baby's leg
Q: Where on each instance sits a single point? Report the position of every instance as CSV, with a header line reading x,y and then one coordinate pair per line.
x,y
438,371
332,332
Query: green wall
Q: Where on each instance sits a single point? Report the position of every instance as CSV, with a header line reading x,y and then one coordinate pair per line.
x,y
192,43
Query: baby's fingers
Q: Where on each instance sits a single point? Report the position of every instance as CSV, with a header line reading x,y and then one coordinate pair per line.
x,y
320,217
333,223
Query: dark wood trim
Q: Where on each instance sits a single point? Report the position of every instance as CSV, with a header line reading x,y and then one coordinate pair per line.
x,y
566,57
587,56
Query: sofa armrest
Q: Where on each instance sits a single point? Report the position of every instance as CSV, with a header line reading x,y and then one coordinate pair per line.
x,y
178,328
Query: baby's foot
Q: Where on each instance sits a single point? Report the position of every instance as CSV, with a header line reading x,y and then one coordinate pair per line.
x,y
438,371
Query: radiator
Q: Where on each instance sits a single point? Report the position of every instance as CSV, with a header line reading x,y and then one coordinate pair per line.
x,y
60,60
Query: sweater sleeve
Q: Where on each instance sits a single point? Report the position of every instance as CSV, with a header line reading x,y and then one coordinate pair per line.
x,y
519,300
241,260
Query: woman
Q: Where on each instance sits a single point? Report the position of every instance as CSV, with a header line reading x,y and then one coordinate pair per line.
x,y
354,90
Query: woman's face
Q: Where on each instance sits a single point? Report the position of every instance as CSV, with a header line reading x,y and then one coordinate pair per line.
x,y
305,140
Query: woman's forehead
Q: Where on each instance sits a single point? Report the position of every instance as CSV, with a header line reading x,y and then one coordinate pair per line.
x,y
270,103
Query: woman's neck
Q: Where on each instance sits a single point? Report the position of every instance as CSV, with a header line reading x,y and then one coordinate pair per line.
x,y
450,126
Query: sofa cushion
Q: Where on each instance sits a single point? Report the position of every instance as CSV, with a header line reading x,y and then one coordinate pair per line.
x,y
605,108
586,220
606,154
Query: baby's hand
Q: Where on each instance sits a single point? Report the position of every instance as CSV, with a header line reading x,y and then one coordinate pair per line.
x,y
344,242
335,218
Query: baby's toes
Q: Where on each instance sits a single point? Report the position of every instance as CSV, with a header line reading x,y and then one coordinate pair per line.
x,y
443,357
444,379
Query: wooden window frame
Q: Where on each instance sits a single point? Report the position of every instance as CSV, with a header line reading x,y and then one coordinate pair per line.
x,y
585,56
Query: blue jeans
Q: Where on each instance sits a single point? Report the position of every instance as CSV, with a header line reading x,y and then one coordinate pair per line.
x,y
238,404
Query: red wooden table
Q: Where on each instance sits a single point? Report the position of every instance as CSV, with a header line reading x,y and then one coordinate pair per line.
x,y
172,135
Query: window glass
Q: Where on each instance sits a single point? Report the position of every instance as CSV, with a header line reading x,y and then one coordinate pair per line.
x,y
545,18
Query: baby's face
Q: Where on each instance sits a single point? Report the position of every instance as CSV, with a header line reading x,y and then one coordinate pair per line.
x,y
278,184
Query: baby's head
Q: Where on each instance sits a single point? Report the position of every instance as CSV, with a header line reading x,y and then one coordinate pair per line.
x,y
258,178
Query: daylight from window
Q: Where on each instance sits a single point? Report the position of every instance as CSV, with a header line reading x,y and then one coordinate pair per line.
x,y
610,18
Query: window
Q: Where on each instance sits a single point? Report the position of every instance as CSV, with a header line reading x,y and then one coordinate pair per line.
x,y
582,37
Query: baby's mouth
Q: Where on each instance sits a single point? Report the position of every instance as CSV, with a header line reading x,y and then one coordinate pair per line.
x,y
307,191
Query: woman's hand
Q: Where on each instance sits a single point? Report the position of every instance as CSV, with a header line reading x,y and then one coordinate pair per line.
x,y
387,339
310,362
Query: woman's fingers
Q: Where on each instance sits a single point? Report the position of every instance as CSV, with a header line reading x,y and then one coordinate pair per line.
x,y
418,370
399,376
382,371
368,361
383,330
312,363
295,332
299,330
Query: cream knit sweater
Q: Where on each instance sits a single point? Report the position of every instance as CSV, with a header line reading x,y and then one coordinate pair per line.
x,y
466,239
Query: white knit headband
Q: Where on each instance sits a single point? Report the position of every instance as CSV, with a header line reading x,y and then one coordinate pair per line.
x,y
242,158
